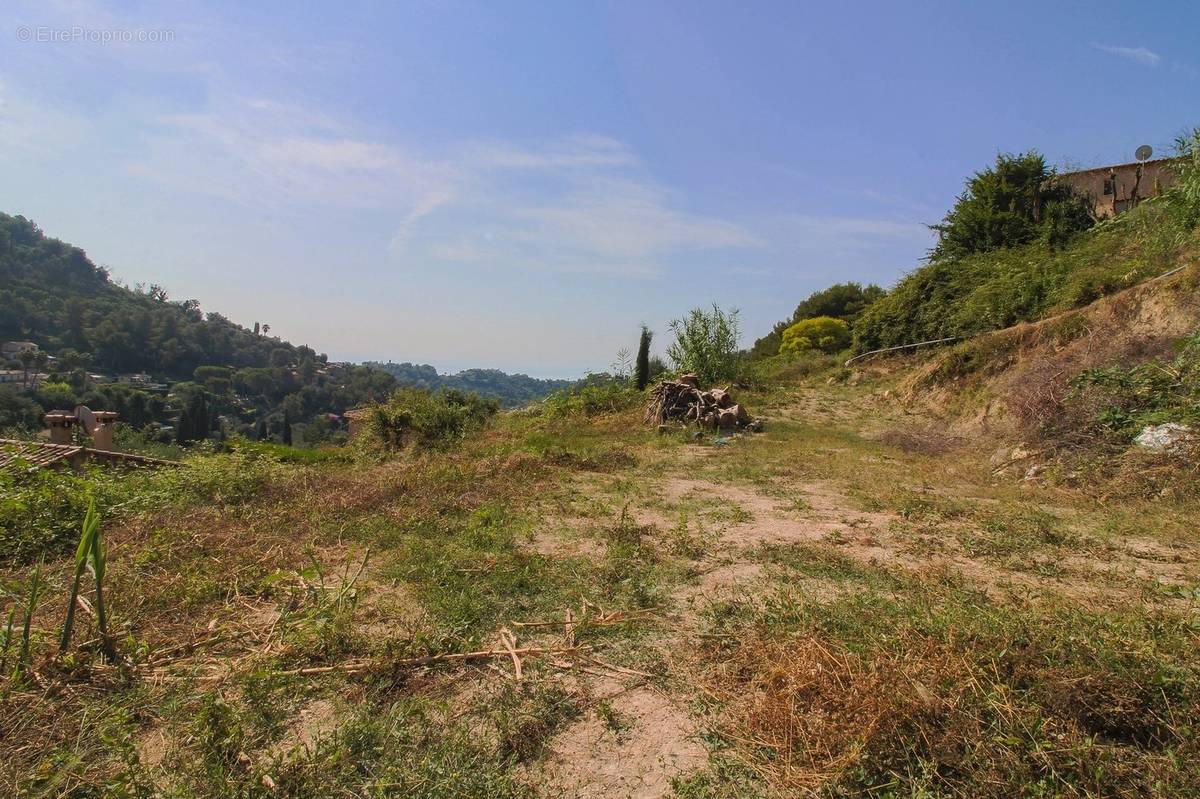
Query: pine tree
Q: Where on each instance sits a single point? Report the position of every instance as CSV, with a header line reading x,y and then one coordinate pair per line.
x,y
287,428
642,366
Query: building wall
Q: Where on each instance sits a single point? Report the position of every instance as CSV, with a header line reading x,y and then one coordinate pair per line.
x,y
1117,188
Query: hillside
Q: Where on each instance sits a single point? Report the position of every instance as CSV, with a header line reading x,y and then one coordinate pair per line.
x,y
1008,252
513,390
52,295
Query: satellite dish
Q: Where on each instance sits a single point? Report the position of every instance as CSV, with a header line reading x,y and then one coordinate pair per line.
x,y
1143,153
88,419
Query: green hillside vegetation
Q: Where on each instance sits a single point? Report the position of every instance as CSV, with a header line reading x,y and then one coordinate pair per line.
x,y
845,301
993,266
1016,246
512,390
234,380
53,295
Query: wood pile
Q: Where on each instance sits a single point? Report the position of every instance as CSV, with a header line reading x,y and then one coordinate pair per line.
x,y
682,401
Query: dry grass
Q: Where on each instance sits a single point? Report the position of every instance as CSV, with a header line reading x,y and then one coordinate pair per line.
x,y
925,716
907,680
921,440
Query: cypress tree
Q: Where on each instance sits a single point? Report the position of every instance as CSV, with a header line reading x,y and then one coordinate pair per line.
x,y
287,428
183,427
642,366
261,432
201,424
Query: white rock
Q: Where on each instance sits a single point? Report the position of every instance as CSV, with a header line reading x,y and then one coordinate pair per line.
x,y
1162,437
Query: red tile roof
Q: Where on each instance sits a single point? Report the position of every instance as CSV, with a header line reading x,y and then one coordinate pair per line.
x,y
20,455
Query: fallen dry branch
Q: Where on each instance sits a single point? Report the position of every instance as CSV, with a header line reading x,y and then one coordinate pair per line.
x,y
359,666
509,642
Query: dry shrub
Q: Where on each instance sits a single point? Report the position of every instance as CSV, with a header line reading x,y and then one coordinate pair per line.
x,y
1044,405
934,718
1134,474
815,709
612,459
921,440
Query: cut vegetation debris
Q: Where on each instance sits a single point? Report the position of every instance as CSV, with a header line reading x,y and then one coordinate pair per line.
x,y
682,401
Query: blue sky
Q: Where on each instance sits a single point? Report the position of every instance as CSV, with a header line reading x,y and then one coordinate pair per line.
x,y
518,185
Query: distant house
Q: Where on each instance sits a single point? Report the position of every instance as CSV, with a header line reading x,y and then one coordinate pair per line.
x,y
10,350
20,376
135,378
1114,189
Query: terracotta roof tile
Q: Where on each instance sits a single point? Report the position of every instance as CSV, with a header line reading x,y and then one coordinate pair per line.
x,y
16,456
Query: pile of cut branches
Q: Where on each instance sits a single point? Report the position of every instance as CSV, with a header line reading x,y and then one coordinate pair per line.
x,y
682,401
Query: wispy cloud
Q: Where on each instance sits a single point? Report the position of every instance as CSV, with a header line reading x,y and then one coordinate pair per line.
x,y
29,128
424,207
1138,55
579,151
820,242
259,152
1185,69
593,220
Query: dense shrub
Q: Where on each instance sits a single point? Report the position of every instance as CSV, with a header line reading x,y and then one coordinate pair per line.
x,y
993,290
845,301
420,416
1012,203
593,399
822,333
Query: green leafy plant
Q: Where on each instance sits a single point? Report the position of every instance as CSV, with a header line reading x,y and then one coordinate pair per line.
x,y
706,344
420,416
89,555
37,584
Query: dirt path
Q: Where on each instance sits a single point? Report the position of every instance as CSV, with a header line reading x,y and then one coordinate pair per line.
x,y
644,735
